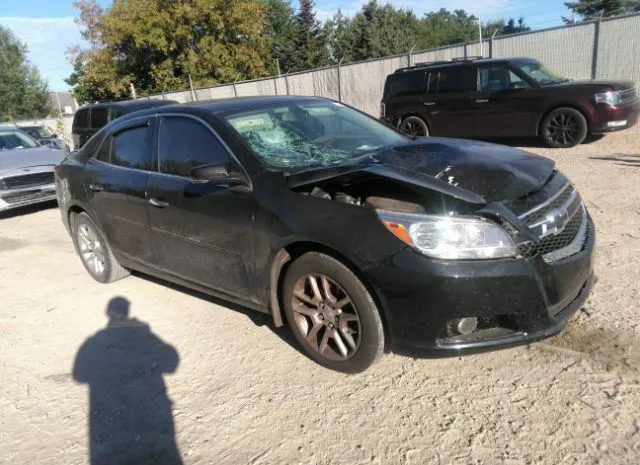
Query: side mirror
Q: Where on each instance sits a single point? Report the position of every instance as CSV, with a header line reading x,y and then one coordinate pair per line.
x,y
216,174
45,142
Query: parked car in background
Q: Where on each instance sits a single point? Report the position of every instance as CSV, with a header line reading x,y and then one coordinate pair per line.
x,y
362,238
26,169
89,119
486,98
44,137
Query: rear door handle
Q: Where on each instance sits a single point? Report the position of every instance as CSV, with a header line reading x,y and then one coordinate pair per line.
x,y
482,100
158,203
96,187
428,104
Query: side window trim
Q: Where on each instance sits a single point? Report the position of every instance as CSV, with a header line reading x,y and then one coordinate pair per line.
x,y
232,156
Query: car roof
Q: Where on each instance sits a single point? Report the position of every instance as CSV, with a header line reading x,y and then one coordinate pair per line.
x,y
131,105
461,62
224,105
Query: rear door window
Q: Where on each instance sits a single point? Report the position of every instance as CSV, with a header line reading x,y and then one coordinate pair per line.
x,y
185,143
99,117
130,148
455,79
407,83
81,119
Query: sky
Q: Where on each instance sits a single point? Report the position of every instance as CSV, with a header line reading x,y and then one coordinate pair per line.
x,y
47,26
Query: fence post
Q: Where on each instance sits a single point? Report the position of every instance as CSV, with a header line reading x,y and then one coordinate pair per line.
x,y
409,59
275,85
286,83
339,84
596,45
235,91
465,50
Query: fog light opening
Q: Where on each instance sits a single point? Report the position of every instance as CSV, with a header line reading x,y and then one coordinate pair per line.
x,y
465,326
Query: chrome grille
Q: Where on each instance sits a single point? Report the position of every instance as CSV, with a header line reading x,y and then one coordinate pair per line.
x,y
627,96
28,180
561,225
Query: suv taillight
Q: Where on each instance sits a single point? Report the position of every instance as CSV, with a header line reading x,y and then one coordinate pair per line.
x,y
382,110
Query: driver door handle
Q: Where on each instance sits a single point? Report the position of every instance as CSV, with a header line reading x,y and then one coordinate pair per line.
x,y
96,187
158,203
482,100
428,104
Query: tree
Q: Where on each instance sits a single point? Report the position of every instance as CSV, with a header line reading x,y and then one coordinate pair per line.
x,y
157,44
23,92
282,28
502,28
588,10
340,39
311,44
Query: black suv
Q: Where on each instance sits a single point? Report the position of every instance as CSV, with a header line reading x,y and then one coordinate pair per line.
x,y
91,118
487,98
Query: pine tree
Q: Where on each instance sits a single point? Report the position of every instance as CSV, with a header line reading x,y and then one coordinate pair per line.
x,y
589,10
311,45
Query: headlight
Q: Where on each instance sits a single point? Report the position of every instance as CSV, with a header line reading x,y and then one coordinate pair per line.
x,y
611,98
450,237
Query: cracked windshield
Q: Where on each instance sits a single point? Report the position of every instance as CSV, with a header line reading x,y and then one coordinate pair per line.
x,y
299,135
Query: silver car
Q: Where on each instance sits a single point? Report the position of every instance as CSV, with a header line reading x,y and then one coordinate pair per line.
x,y
26,170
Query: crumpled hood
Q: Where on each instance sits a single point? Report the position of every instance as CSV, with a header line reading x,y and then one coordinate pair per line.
x,y
26,158
477,172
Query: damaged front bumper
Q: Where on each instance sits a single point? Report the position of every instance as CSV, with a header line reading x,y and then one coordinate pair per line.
x,y
514,301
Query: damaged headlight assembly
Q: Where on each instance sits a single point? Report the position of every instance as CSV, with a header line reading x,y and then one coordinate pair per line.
x,y
450,237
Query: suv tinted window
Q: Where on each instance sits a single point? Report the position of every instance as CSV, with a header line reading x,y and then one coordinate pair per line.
x,y
98,118
130,148
494,78
455,79
185,143
81,119
406,84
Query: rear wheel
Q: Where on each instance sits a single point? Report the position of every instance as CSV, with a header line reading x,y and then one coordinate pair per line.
x,y
413,126
94,251
331,314
563,128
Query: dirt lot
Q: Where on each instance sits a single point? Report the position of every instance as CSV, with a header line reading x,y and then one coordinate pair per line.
x,y
240,392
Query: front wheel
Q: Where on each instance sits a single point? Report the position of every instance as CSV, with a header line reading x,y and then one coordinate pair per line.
x,y
564,128
413,126
332,314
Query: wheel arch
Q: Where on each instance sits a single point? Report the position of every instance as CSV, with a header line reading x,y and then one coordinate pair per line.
x,y
289,253
557,106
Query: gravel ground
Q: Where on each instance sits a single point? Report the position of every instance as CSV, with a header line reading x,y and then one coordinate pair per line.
x,y
240,392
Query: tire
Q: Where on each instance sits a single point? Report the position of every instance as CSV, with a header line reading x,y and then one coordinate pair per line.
x,y
414,126
94,251
564,128
347,336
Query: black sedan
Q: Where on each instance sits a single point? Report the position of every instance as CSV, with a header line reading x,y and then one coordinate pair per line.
x,y
363,239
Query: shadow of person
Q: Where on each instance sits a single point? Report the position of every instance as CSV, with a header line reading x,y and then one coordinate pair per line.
x,y
130,420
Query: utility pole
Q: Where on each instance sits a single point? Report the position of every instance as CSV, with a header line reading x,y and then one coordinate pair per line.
x,y
193,92
133,91
480,37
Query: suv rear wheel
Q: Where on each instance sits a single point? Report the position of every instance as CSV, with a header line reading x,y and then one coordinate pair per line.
x,y
414,126
331,313
563,128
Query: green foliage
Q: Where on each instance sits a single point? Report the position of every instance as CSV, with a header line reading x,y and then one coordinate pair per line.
x,y
282,29
23,93
588,10
157,44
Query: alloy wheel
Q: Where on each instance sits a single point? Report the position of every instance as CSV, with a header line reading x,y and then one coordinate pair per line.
x,y
413,128
91,249
563,129
326,316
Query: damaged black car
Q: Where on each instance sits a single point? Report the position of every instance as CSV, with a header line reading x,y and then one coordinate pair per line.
x,y
360,238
